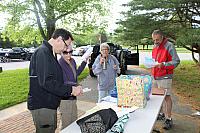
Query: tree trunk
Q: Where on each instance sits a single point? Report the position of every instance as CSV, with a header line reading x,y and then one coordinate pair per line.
x,y
35,2
50,28
196,48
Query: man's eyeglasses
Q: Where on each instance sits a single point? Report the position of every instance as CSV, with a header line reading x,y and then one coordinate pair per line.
x,y
65,43
66,52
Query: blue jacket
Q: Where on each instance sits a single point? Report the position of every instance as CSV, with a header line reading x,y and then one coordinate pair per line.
x,y
106,78
68,75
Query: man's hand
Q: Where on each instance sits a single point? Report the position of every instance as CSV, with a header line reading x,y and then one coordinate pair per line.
x,y
86,59
77,90
159,65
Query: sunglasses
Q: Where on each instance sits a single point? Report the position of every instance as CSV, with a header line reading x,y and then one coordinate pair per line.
x,y
65,52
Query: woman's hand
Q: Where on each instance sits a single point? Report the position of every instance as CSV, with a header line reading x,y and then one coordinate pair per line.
x,y
102,59
115,67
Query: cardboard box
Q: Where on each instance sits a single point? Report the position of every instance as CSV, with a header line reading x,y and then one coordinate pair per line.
x,y
158,91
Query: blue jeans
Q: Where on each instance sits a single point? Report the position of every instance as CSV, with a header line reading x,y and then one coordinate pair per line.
x,y
103,94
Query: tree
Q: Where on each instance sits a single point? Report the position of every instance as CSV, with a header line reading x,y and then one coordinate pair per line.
x,y
49,13
22,36
191,41
177,18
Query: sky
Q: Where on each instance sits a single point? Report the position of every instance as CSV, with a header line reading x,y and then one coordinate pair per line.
x,y
116,8
3,21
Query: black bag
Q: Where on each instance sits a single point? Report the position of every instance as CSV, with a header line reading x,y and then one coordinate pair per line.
x,y
98,122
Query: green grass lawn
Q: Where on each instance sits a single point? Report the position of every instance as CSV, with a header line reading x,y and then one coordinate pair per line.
x,y
186,82
178,49
14,86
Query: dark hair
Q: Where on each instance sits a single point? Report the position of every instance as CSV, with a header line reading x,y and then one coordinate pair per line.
x,y
65,34
158,32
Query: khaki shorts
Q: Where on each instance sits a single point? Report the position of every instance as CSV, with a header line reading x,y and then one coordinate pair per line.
x,y
164,83
45,120
68,110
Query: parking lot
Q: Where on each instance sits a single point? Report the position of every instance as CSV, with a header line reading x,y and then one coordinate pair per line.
x,y
20,64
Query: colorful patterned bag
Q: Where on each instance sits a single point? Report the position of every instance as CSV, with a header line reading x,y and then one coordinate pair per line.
x,y
147,80
133,90
118,127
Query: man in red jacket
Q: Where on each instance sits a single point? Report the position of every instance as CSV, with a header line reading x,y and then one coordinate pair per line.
x,y
165,55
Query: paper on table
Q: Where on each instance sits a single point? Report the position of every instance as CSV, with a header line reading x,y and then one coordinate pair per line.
x,y
123,111
110,99
86,90
87,53
119,110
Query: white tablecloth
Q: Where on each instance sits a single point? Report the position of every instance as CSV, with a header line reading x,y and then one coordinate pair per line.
x,y
140,121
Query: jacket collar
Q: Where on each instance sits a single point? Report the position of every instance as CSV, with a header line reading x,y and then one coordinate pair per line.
x,y
164,41
46,44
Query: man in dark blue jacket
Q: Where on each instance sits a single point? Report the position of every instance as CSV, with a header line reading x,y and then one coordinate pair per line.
x,y
46,82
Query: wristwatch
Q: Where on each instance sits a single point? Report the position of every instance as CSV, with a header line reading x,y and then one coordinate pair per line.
x,y
164,63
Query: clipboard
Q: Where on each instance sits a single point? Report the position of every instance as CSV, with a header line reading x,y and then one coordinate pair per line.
x,y
158,91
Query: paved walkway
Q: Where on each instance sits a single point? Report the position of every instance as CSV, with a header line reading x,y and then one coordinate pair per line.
x,y
22,121
17,119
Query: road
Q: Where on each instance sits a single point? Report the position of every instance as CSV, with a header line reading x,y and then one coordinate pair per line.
x,y
19,64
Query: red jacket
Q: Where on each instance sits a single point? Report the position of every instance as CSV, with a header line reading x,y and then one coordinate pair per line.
x,y
165,53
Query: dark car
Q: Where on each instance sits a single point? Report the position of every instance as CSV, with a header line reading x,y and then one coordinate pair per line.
x,y
30,52
124,56
3,54
15,53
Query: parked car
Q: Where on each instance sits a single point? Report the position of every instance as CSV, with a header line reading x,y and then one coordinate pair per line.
x,y
18,53
79,51
3,54
30,52
124,56
14,53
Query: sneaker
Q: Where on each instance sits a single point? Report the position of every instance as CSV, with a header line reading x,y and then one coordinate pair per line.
x,y
168,124
161,116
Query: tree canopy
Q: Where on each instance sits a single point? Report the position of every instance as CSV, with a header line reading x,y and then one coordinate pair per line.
x,y
179,19
80,16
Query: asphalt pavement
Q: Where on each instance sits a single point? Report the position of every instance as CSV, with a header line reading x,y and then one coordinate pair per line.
x,y
20,64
